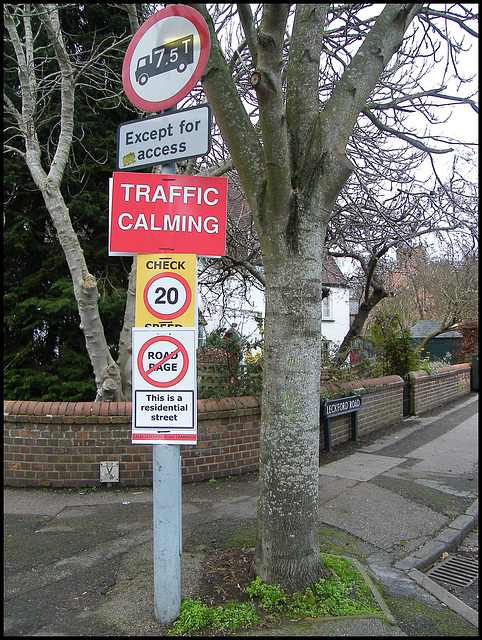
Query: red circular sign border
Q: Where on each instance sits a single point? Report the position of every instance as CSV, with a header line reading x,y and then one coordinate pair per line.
x,y
140,355
195,18
182,310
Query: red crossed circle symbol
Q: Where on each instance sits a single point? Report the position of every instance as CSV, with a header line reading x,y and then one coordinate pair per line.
x,y
180,348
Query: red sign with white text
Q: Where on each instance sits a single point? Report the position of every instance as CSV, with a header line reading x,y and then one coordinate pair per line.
x,y
154,212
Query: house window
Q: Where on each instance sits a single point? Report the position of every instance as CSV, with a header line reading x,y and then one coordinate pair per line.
x,y
201,335
325,350
326,308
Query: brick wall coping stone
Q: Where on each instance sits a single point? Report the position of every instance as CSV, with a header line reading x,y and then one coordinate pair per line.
x,y
359,385
207,406
414,375
50,409
454,367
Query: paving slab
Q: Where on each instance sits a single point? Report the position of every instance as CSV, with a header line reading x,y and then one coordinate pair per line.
x,y
382,518
456,452
360,466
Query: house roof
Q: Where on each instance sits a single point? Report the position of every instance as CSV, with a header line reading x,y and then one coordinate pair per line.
x,y
331,274
425,327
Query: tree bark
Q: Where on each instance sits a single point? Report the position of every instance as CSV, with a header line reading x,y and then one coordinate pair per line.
x,y
287,548
446,326
106,372
124,360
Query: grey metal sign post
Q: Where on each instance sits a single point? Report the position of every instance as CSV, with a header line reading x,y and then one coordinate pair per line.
x,y
159,69
164,414
167,517
167,520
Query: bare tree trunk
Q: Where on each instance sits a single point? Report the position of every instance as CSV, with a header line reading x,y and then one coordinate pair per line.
x,y
358,323
291,182
289,460
106,372
125,341
445,327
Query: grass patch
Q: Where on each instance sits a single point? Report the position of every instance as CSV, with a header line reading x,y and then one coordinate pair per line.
x,y
345,593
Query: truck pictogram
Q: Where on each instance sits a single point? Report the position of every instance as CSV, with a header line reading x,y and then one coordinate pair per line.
x,y
177,54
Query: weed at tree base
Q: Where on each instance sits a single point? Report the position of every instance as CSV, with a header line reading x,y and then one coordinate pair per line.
x,y
195,615
345,593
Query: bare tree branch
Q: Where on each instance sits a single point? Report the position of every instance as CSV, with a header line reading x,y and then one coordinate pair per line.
x,y
410,139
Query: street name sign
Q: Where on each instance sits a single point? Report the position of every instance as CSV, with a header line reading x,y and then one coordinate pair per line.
x,y
155,212
164,390
165,290
165,58
164,139
332,408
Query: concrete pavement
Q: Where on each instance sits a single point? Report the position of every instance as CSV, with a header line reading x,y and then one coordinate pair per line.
x,y
80,562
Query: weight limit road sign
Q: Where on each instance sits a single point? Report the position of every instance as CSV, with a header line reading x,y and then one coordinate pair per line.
x,y
165,58
164,386
165,290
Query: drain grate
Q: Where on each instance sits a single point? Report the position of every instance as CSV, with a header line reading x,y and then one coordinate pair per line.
x,y
455,570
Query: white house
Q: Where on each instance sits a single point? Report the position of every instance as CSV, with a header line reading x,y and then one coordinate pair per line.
x,y
239,310
335,307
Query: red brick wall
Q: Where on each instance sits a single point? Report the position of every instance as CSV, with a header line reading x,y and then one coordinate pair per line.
x,y
445,385
60,444
228,439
